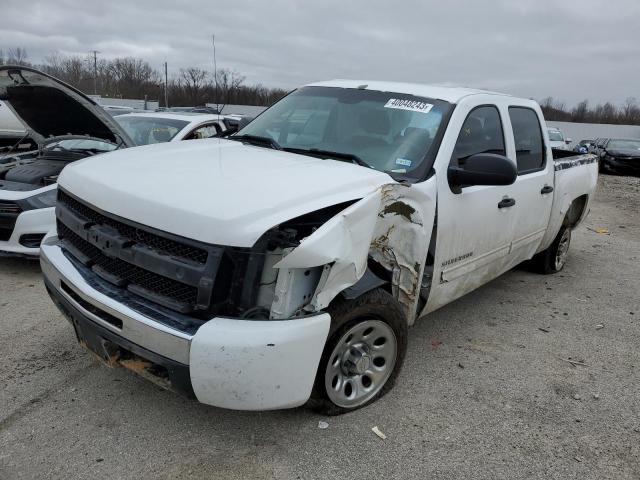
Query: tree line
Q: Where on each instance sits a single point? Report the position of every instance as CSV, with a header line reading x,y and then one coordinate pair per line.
x,y
626,114
130,77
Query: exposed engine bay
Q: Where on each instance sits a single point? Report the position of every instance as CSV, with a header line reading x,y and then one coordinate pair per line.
x,y
37,169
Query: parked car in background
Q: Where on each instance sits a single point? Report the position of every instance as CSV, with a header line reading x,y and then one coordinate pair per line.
x,y
67,126
287,262
115,110
620,155
557,139
159,127
583,146
199,109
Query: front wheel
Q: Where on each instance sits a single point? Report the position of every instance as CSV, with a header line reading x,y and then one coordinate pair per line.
x,y
363,354
554,258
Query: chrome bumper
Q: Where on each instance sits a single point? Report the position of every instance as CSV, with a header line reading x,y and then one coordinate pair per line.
x,y
136,328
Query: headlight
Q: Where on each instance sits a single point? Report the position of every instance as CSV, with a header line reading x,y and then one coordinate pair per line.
x,y
42,200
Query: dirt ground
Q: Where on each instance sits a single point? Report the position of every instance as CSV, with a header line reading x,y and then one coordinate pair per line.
x,y
487,390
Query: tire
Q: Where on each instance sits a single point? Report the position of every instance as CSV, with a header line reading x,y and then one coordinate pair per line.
x,y
554,258
363,367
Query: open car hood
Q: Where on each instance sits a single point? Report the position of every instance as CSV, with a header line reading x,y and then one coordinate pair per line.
x,y
49,108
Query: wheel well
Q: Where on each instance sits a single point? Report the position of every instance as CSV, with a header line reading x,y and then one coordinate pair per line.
x,y
575,212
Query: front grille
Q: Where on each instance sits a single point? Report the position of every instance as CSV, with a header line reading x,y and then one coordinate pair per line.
x,y
156,242
176,273
10,208
9,212
132,275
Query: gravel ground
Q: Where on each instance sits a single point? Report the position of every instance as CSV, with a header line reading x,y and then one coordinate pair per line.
x,y
485,392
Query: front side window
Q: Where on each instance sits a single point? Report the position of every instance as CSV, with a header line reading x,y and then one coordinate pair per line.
x,y
481,133
204,131
390,132
527,136
147,130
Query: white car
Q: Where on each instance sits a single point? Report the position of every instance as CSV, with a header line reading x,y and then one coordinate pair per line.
x,y
28,181
286,263
161,127
558,140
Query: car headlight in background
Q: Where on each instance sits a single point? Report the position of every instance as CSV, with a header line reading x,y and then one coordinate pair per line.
x,y
42,200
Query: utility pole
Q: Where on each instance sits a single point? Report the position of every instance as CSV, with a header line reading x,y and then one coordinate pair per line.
x,y
166,87
95,71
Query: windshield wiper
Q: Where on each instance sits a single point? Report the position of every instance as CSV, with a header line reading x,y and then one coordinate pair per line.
x,y
317,152
257,140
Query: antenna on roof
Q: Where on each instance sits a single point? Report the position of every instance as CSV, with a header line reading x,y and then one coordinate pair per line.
x,y
215,72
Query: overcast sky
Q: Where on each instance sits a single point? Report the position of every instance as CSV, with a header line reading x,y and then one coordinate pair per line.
x,y
568,49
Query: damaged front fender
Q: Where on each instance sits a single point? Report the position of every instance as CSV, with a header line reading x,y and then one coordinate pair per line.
x,y
392,226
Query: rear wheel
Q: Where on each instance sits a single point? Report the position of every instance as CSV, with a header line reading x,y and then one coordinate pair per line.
x,y
554,258
363,355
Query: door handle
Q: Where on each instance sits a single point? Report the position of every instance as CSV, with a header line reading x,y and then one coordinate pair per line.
x,y
507,202
546,189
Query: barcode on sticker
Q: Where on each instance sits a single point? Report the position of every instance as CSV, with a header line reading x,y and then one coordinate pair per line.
x,y
412,105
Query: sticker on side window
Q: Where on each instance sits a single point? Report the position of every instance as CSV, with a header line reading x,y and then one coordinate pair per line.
x,y
411,105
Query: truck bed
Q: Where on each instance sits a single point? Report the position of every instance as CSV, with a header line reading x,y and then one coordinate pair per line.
x,y
575,180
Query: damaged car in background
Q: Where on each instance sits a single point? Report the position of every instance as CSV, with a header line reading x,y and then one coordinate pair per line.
x,y
66,126
286,263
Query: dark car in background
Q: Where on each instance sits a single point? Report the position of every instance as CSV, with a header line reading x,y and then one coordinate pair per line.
x,y
620,155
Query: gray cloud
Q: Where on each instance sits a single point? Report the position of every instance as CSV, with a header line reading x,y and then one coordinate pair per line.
x,y
571,50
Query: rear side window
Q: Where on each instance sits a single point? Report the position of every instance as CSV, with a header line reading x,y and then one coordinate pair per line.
x,y
527,135
480,133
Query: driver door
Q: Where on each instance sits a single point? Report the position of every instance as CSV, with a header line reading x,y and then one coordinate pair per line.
x,y
474,229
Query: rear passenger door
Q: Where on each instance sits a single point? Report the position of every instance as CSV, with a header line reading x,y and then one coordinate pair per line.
x,y
534,185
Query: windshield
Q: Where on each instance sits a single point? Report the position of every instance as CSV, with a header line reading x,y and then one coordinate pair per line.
x,y
624,144
389,132
555,136
148,130
80,144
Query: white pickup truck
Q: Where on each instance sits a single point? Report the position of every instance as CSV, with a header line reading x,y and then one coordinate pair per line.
x,y
284,265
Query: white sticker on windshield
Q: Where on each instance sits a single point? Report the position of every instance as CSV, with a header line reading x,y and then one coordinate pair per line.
x,y
403,161
412,105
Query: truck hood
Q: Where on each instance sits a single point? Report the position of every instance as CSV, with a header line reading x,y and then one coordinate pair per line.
x,y
49,108
216,191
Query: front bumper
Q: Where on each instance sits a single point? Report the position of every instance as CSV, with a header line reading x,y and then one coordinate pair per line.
x,y
228,363
29,223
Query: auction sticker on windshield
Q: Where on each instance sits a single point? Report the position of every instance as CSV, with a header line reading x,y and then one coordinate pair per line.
x,y
412,105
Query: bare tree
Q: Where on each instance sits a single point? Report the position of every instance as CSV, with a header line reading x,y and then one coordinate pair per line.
x,y
17,56
193,80
227,84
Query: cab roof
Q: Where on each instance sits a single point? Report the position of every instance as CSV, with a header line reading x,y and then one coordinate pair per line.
x,y
449,94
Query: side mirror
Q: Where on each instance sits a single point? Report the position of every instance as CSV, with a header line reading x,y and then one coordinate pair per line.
x,y
482,169
568,141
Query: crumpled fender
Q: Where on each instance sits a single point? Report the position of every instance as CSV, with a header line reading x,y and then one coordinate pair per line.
x,y
392,225
342,241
